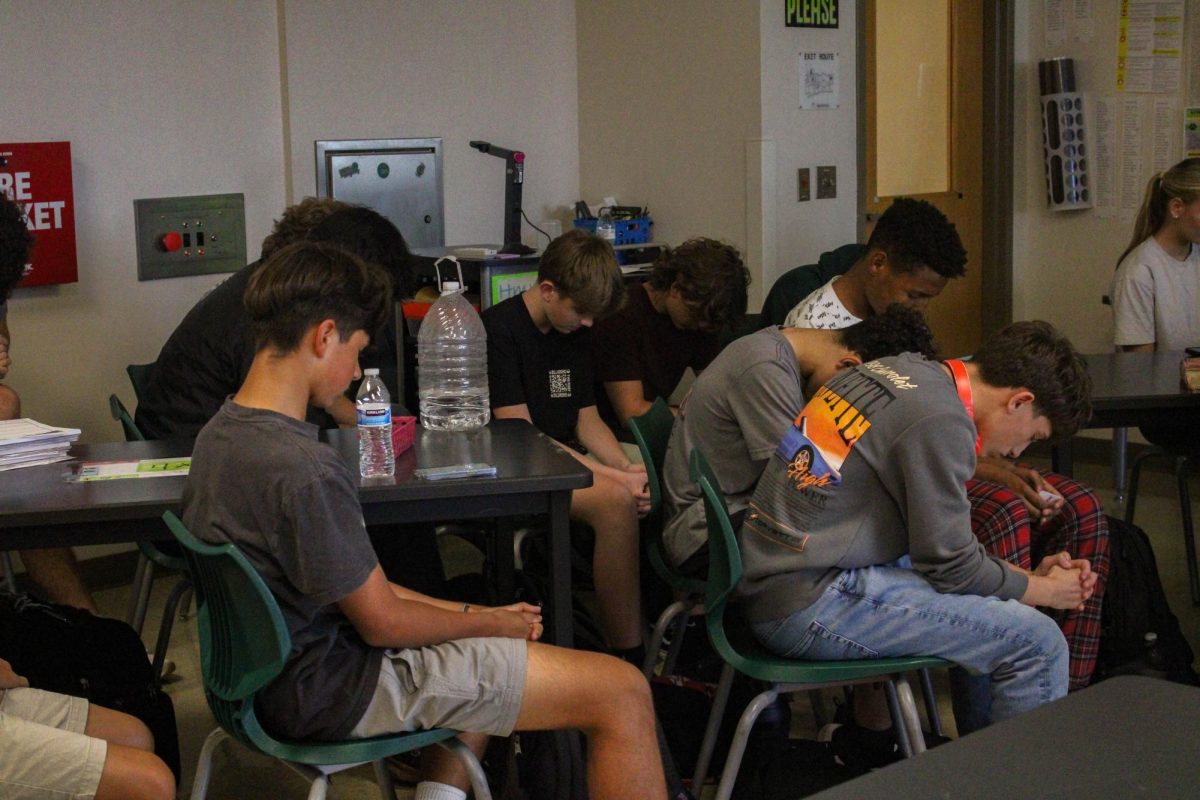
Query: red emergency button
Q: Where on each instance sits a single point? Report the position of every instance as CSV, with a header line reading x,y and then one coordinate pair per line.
x,y
170,242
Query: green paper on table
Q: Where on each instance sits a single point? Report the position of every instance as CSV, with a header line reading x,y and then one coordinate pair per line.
x,y
144,468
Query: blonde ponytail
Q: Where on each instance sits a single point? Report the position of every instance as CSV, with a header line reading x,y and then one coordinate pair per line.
x,y
1180,181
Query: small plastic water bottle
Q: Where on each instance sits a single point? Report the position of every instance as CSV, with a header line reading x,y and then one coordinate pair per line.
x,y
375,456
452,380
606,229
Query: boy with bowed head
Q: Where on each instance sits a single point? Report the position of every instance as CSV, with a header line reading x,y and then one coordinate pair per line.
x,y
373,657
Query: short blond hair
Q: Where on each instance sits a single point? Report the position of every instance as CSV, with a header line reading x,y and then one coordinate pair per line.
x,y
584,269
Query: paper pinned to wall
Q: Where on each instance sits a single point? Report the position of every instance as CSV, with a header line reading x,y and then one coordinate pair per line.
x,y
1133,173
818,80
1191,132
1084,20
1150,46
1104,176
1163,135
1056,23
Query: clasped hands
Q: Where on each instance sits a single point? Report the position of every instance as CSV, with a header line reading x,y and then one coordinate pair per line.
x,y
1072,579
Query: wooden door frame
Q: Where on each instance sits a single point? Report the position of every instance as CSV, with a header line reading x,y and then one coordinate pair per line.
x,y
997,256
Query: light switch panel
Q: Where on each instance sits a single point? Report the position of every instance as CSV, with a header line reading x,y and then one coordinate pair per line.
x,y
195,235
826,182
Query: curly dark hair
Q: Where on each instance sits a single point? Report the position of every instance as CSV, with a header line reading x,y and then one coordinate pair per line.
x,y
1034,356
372,237
16,243
303,283
915,234
296,221
897,330
710,277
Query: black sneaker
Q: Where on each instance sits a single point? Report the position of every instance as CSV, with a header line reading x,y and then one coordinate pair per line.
x,y
860,748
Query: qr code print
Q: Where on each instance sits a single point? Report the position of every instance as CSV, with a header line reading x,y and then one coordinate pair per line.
x,y
560,383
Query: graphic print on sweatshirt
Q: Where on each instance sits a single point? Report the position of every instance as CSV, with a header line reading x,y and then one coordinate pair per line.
x,y
807,466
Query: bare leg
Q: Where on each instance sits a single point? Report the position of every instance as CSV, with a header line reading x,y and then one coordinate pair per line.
x,y
870,707
609,701
131,770
56,573
10,403
609,509
440,765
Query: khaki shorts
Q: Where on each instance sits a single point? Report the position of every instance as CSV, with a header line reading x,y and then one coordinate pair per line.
x,y
471,685
43,750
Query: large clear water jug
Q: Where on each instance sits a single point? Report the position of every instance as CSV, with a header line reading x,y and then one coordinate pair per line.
x,y
452,380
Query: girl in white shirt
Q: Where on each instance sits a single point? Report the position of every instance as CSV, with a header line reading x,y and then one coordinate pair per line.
x,y
1156,289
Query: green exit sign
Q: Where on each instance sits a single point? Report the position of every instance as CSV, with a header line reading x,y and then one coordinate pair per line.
x,y
811,13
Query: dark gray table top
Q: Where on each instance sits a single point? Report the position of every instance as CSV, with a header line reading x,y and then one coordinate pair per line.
x,y
1138,380
45,497
1124,738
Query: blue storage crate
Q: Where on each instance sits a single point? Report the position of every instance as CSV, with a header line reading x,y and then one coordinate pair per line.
x,y
629,231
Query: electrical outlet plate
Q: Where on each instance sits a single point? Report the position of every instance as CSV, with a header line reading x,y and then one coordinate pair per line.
x,y
804,192
826,182
195,235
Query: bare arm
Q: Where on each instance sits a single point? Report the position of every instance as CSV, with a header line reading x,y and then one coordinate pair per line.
x,y
1138,348
5,359
620,461
343,412
599,440
601,443
628,400
10,679
383,618
633,476
1026,482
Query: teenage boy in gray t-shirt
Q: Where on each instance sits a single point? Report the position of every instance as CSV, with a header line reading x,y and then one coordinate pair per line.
x,y
857,542
371,657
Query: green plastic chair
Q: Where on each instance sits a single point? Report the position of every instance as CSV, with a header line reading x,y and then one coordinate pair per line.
x,y
244,645
122,415
743,654
652,432
139,376
151,554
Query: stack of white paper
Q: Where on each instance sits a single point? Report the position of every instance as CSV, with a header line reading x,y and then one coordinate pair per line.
x,y
26,443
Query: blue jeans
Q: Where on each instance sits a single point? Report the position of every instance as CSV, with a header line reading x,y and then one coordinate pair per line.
x,y
891,610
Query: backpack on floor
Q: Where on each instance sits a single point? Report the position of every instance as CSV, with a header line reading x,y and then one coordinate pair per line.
x,y
1136,605
67,650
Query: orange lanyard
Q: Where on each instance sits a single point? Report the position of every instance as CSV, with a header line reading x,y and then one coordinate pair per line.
x,y
963,384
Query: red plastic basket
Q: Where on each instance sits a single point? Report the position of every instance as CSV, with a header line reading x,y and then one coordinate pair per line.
x,y
403,431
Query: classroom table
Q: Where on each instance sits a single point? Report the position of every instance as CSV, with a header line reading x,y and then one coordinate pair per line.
x,y
1125,737
42,507
1131,389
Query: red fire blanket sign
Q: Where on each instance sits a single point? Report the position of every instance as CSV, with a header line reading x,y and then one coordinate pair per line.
x,y
37,176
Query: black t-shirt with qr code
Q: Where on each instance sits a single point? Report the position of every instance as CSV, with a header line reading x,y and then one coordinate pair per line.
x,y
551,373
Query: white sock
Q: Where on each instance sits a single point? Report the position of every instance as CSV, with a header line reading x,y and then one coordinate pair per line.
x,y
430,790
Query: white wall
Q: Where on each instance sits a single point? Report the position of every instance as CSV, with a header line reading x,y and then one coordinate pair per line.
x,y
668,99
808,138
694,111
175,98
1063,261
170,98
501,72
